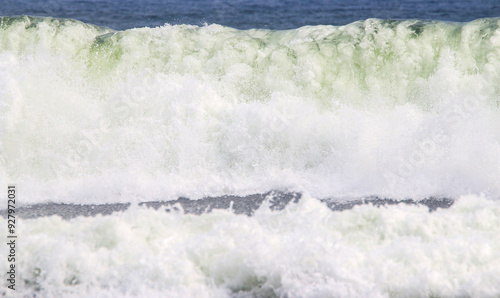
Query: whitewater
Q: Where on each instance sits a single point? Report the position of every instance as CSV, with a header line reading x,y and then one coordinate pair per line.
x,y
394,109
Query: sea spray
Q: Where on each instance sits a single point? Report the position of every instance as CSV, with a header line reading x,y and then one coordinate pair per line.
x,y
93,115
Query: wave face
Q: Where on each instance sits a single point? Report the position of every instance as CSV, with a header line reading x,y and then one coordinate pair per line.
x,y
377,107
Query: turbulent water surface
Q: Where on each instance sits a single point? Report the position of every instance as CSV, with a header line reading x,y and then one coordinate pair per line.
x,y
393,109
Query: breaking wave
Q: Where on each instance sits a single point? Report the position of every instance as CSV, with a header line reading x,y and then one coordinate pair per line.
x,y
377,107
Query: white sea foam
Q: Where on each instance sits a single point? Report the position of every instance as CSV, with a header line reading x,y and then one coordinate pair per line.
x,y
395,109
400,109
305,250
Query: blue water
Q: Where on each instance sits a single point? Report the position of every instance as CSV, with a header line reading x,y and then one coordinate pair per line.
x,y
271,14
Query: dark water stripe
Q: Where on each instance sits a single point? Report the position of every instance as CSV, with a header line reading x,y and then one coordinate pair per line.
x,y
239,205
275,14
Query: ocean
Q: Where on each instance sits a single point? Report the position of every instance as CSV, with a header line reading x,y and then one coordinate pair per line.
x,y
250,148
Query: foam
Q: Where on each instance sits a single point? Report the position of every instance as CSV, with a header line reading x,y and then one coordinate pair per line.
x,y
305,250
388,108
